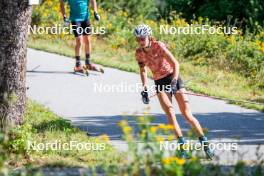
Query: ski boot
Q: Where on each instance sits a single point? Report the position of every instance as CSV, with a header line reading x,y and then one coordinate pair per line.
x,y
80,69
182,153
205,146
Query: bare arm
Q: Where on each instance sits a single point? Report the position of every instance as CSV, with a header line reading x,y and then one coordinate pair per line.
x,y
62,8
94,5
143,76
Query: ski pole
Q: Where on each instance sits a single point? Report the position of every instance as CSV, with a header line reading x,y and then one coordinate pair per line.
x,y
214,97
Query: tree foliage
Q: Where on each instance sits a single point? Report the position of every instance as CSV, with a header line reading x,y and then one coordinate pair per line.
x,y
243,13
134,8
246,13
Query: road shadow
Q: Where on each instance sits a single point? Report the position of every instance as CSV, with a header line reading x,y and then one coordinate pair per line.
x,y
248,127
63,72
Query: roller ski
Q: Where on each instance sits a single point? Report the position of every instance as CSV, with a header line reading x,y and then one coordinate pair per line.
x,y
81,70
92,67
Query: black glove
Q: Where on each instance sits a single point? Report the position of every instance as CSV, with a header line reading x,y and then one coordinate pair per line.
x,y
174,87
145,97
96,16
66,22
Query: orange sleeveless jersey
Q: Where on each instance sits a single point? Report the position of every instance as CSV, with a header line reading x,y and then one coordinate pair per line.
x,y
155,60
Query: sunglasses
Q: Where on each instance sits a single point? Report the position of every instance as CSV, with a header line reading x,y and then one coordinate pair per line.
x,y
141,39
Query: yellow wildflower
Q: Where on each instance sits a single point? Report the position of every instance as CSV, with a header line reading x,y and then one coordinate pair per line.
x,y
109,26
166,160
104,137
165,127
153,129
262,49
171,137
159,139
169,160
179,161
122,123
127,129
169,127
231,39
125,14
162,126
258,43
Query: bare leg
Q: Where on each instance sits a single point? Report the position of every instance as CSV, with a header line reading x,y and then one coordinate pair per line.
x,y
78,46
88,48
166,104
186,112
87,42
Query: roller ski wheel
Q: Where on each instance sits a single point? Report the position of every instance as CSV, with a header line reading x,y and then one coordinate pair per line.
x,y
81,70
94,68
86,72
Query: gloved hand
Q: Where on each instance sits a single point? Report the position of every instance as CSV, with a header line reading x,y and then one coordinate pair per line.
x,y
96,16
66,22
145,97
174,87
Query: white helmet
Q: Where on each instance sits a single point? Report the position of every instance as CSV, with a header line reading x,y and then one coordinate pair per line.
x,y
142,31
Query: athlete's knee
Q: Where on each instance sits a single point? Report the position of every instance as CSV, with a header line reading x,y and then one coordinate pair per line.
x,y
78,41
190,120
188,115
169,109
87,39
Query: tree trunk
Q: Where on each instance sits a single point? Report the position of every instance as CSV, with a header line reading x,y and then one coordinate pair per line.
x,y
15,17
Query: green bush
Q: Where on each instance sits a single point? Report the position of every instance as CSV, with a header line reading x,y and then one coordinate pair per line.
x,y
249,14
133,8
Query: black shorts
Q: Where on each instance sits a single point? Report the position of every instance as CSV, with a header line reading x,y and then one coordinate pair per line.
x,y
80,28
164,84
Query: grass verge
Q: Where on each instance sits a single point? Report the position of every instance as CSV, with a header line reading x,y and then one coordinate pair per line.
x,y
41,126
202,79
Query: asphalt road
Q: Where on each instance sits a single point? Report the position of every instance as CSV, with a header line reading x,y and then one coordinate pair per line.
x,y
80,99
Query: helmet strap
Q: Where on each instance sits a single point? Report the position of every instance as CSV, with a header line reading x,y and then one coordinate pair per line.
x,y
149,45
